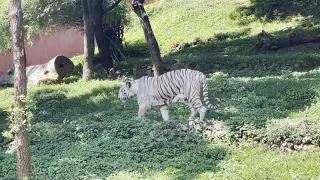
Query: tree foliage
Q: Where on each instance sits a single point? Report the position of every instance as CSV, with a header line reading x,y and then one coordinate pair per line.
x,y
44,16
40,16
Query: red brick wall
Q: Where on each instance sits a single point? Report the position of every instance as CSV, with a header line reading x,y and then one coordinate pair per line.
x,y
68,43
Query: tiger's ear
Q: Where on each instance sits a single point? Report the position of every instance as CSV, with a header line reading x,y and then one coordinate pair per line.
x,y
128,83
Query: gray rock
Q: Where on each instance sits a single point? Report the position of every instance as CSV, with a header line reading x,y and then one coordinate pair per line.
x,y
306,140
284,144
290,146
298,147
308,147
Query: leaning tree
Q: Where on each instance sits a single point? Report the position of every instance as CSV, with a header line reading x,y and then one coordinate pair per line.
x,y
158,64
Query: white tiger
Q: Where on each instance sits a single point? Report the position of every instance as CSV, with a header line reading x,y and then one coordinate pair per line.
x,y
173,86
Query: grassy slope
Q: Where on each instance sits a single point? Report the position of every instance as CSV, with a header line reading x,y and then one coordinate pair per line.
x,y
83,132
176,21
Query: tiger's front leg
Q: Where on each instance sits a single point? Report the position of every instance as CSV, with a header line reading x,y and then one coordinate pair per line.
x,y
164,109
142,111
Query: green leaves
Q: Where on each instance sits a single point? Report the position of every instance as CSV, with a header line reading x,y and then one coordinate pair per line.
x,y
43,16
8,134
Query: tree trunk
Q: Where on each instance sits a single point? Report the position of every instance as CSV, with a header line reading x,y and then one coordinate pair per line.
x,y
158,64
88,40
20,90
101,39
23,154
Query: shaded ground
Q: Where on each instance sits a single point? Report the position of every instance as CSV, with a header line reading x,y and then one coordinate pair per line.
x,y
88,135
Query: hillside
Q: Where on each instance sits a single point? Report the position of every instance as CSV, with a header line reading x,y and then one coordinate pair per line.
x,y
81,130
179,21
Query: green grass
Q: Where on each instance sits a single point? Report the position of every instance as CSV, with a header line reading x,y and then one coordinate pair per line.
x,y
85,133
177,21
82,131
258,162
79,129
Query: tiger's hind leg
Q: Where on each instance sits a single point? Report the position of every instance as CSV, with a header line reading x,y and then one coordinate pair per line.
x,y
202,111
198,105
194,112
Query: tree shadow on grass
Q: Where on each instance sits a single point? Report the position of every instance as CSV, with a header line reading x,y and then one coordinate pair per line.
x,y
136,49
3,119
95,136
246,99
254,101
255,86
130,146
6,100
57,103
237,56
279,9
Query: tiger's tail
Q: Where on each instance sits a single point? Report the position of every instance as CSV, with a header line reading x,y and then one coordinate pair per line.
x,y
205,92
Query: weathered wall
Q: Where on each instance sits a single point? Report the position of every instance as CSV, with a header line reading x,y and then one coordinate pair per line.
x,y
68,43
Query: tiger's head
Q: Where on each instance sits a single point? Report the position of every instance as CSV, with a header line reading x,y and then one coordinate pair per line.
x,y
129,90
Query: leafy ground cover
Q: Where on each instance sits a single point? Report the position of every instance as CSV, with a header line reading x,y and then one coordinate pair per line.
x,y
85,133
